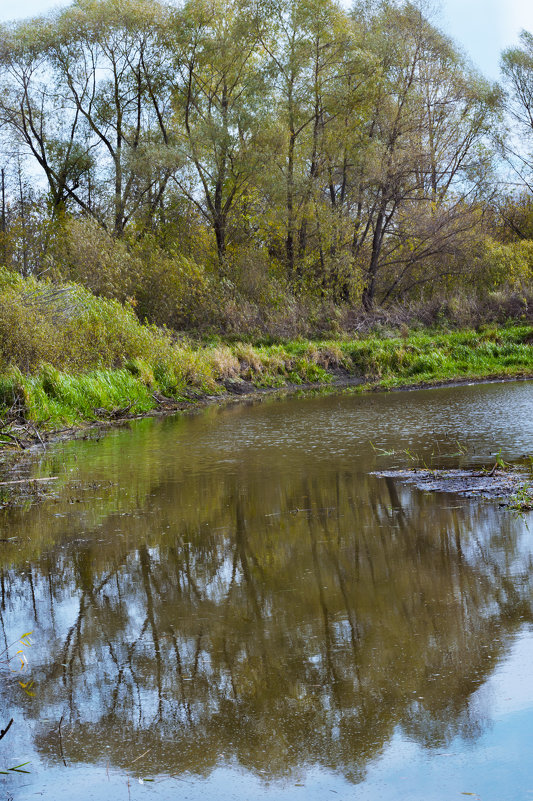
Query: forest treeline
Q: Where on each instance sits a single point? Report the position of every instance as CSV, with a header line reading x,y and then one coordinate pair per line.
x,y
265,166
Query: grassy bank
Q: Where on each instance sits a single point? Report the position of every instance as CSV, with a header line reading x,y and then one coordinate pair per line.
x,y
51,398
68,357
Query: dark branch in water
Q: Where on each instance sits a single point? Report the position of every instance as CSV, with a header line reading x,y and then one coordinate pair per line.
x,y
3,732
61,742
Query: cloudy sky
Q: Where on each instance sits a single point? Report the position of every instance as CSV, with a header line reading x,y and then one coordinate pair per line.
x,y
482,28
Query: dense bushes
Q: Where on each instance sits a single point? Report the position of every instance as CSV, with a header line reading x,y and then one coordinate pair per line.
x,y
175,285
66,325
67,355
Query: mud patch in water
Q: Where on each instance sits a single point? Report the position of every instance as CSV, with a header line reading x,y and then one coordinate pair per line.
x,y
510,487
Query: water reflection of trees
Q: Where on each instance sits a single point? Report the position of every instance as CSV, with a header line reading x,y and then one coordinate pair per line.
x,y
279,624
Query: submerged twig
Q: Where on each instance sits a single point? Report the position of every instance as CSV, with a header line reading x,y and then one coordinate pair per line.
x,y
3,732
141,756
28,480
61,742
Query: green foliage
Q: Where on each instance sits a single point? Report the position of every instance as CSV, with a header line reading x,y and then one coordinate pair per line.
x,y
164,286
70,328
68,356
58,397
508,265
270,165
82,251
171,289
522,500
444,356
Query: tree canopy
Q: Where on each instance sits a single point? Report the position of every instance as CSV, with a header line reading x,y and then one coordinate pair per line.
x,y
280,146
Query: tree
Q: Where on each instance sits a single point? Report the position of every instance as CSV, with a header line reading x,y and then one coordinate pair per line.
x,y
517,146
221,103
352,150
101,55
425,151
34,114
316,77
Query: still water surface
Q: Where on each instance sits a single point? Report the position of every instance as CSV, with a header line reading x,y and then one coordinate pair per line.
x,y
229,606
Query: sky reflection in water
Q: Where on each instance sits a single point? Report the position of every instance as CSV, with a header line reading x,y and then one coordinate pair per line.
x,y
233,601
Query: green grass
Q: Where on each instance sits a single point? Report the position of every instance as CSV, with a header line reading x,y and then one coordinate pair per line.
x,y
426,358
52,398
59,362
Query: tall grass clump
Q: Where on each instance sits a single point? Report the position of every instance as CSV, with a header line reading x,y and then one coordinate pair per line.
x,y
428,357
54,397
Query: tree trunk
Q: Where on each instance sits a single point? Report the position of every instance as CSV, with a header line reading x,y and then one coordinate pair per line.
x,y
369,291
219,225
289,242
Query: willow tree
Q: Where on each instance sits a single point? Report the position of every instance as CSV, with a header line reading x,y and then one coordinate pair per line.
x,y
517,70
221,108
34,115
101,54
350,148
311,50
89,63
426,154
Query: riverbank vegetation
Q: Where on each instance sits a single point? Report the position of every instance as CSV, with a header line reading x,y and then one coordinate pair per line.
x,y
275,193
67,356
